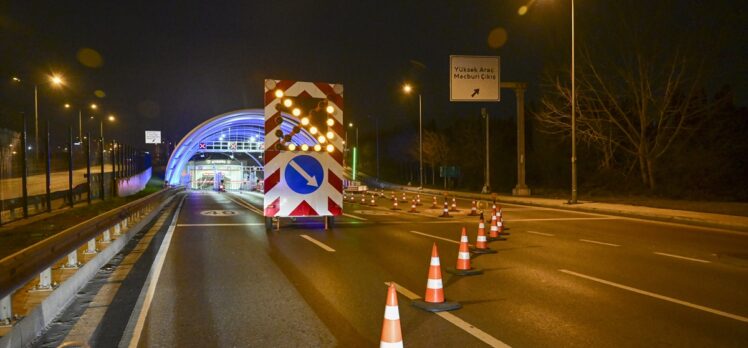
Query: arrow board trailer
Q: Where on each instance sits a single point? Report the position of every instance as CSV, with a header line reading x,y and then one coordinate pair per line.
x,y
474,78
303,150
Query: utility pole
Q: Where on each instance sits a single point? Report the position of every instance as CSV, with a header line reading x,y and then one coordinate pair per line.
x,y
487,180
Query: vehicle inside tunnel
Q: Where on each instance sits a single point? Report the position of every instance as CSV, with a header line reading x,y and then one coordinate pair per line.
x,y
226,152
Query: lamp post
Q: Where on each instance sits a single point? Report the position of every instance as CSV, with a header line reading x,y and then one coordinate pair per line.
x,y
523,10
54,80
407,88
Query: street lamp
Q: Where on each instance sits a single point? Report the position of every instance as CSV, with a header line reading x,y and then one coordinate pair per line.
x,y
407,88
522,10
56,81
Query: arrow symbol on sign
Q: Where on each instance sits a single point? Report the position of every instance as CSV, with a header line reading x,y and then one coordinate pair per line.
x,y
310,180
475,92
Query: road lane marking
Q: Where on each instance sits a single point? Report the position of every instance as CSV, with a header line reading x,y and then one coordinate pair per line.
x,y
227,224
563,219
318,243
437,237
683,257
152,279
600,243
355,217
246,205
456,321
541,233
657,296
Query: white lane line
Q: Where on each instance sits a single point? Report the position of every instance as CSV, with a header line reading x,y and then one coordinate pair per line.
x,y
682,257
319,244
227,224
354,217
541,233
564,219
597,242
248,206
657,296
152,279
437,237
456,321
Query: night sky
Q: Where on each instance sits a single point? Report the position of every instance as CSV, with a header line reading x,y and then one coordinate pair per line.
x,y
169,65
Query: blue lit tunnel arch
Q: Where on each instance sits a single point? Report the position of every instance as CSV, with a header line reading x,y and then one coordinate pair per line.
x,y
188,147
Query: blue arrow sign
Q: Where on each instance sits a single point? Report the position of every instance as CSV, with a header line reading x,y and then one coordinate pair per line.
x,y
304,174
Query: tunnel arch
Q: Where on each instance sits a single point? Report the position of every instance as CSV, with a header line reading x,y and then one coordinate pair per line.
x,y
188,146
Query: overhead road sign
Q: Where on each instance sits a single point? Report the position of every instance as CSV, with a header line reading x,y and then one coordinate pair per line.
x,y
153,137
303,175
474,78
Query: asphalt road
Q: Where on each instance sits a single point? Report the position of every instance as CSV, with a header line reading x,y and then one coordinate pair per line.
x,y
560,279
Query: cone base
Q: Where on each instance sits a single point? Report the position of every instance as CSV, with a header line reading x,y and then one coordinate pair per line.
x,y
492,239
436,307
464,272
454,210
483,251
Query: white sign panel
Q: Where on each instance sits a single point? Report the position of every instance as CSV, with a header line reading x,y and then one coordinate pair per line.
x,y
474,78
153,137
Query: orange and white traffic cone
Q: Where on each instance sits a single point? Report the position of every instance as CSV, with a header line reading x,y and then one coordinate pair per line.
x,y
474,209
394,205
373,201
463,258
418,200
413,207
445,211
392,336
481,243
433,205
502,225
434,300
363,199
404,199
493,234
453,208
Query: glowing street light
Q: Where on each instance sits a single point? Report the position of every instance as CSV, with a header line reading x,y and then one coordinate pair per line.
x,y
111,118
56,80
407,88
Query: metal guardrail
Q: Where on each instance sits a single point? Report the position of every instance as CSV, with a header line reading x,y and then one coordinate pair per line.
x,y
19,268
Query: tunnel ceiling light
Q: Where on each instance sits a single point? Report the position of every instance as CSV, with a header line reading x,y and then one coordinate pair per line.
x,y
330,122
288,103
305,121
330,109
330,135
296,112
313,130
330,148
317,147
278,93
304,147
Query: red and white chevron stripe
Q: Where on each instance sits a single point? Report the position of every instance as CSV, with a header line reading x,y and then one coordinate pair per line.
x,y
280,200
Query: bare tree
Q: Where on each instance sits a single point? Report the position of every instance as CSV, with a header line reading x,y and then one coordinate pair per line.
x,y
637,106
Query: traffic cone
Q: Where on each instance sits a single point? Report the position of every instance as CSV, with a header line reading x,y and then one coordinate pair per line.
x,y
413,207
404,199
445,211
454,205
474,209
373,201
493,234
481,245
381,193
418,200
434,299
463,258
392,336
433,205
501,225
394,205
